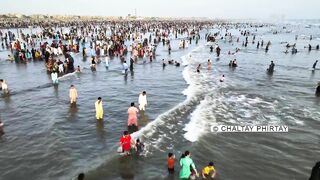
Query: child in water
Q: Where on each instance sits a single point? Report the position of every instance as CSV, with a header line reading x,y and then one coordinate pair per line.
x,y
78,69
139,146
209,171
170,162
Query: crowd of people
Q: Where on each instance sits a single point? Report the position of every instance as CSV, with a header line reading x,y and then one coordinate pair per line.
x,y
102,40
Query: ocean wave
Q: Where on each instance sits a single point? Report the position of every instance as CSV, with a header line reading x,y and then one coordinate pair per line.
x,y
182,108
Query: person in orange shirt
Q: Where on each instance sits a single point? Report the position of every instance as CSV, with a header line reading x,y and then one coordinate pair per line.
x,y
171,160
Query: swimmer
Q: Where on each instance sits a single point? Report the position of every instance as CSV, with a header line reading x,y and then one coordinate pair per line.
x,y
99,109
73,94
132,118
143,101
177,63
209,64
209,171
198,68
315,64
222,78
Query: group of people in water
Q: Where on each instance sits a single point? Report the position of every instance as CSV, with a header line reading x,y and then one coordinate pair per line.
x,y
188,169
99,41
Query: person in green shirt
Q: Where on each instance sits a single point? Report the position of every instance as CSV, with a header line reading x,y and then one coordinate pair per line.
x,y
187,166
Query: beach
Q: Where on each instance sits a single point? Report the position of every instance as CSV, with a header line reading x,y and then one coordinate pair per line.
x,y
45,138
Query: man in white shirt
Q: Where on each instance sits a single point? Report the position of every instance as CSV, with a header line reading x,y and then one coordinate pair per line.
x,y
143,101
4,86
125,67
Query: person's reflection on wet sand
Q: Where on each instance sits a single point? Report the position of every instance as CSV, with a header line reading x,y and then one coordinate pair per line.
x,y
73,111
144,119
56,92
126,167
100,130
132,75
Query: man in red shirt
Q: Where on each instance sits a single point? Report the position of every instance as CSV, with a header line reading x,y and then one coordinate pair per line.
x,y
125,142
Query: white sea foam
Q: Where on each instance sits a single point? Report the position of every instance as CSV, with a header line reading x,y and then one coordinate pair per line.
x,y
199,122
151,127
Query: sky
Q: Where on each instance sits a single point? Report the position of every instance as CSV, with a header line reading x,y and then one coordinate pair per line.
x,y
226,9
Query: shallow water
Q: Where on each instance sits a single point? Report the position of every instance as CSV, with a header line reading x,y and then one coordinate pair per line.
x,y
46,139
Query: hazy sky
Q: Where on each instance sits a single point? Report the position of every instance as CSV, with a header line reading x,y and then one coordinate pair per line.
x,y
256,9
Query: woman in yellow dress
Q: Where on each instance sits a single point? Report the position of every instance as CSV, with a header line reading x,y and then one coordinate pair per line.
x,y
99,109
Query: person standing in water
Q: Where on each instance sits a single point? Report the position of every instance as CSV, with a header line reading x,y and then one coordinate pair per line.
x,y
1,128
132,118
139,147
170,162
126,142
187,166
211,48
271,67
125,67
54,77
222,78
198,68
318,90
73,94
78,69
107,62
218,51
131,63
315,64
209,171
143,101
4,86
99,109
209,64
